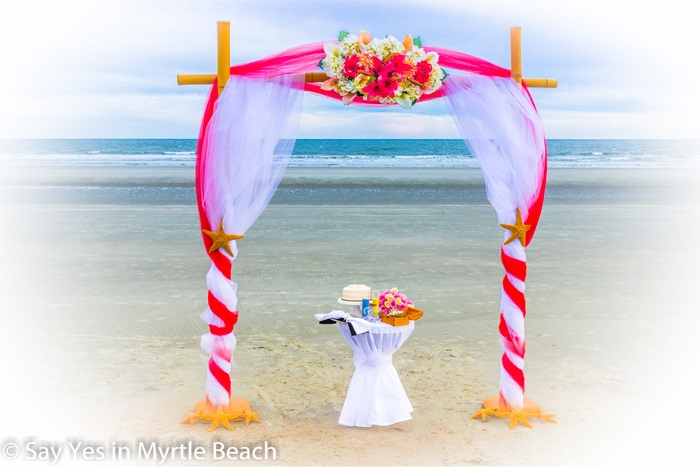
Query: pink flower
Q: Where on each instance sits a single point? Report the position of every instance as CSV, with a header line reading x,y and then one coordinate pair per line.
x,y
384,86
388,75
397,68
391,300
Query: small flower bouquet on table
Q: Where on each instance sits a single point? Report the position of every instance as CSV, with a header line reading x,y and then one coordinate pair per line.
x,y
396,309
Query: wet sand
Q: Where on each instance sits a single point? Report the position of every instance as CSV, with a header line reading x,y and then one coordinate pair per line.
x,y
103,277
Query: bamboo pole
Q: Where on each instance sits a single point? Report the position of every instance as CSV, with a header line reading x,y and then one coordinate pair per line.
x,y
207,78
516,57
223,66
315,76
540,82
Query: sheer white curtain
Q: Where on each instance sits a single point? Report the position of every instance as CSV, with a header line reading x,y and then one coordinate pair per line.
x,y
249,140
501,128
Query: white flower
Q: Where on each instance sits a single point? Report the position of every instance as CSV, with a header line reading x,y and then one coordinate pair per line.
x,y
349,45
404,101
333,66
346,86
392,45
431,57
331,49
382,48
361,81
435,80
375,47
414,92
415,55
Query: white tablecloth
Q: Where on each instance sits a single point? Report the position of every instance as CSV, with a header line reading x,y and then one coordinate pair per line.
x,y
376,395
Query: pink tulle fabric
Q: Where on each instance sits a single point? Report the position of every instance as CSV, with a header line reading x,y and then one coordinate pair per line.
x,y
304,58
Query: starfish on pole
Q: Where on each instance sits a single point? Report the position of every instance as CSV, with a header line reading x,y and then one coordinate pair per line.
x,y
221,239
518,230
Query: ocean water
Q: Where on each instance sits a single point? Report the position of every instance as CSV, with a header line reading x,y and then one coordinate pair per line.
x,y
575,153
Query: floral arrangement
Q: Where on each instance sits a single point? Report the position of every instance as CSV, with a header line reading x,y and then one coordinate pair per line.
x,y
383,70
393,303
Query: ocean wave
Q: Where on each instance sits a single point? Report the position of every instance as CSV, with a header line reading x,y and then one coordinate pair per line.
x,y
350,153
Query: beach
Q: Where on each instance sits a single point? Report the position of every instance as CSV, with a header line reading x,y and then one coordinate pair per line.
x,y
103,277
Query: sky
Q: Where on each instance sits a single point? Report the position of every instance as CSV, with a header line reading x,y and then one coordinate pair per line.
x,y
107,68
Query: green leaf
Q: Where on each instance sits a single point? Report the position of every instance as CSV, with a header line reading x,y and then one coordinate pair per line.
x,y
320,64
445,73
342,35
417,42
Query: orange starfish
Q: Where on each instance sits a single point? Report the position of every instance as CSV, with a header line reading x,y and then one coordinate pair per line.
x,y
222,239
518,230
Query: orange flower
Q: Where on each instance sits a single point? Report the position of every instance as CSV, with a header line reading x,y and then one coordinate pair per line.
x,y
364,37
329,84
408,42
366,61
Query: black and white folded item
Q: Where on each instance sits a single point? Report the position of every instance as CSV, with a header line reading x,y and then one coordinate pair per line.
x,y
332,317
355,324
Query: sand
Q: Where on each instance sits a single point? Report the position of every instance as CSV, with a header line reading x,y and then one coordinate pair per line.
x,y
103,281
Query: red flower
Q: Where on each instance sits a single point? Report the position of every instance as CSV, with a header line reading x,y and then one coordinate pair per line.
x,y
423,70
350,66
361,64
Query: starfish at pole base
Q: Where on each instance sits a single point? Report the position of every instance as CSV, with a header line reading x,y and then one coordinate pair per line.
x,y
493,407
238,410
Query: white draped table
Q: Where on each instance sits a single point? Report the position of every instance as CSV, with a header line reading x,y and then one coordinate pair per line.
x,y
376,395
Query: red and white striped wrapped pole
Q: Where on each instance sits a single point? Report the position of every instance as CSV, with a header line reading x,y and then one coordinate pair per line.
x,y
221,316
511,401
512,325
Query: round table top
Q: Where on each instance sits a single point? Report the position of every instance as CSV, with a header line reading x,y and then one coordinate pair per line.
x,y
348,302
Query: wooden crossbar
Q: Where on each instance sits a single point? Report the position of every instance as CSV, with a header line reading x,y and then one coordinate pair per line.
x,y
224,64
319,76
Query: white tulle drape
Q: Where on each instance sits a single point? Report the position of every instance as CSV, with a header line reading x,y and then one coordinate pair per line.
x,y
502,129
249,140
